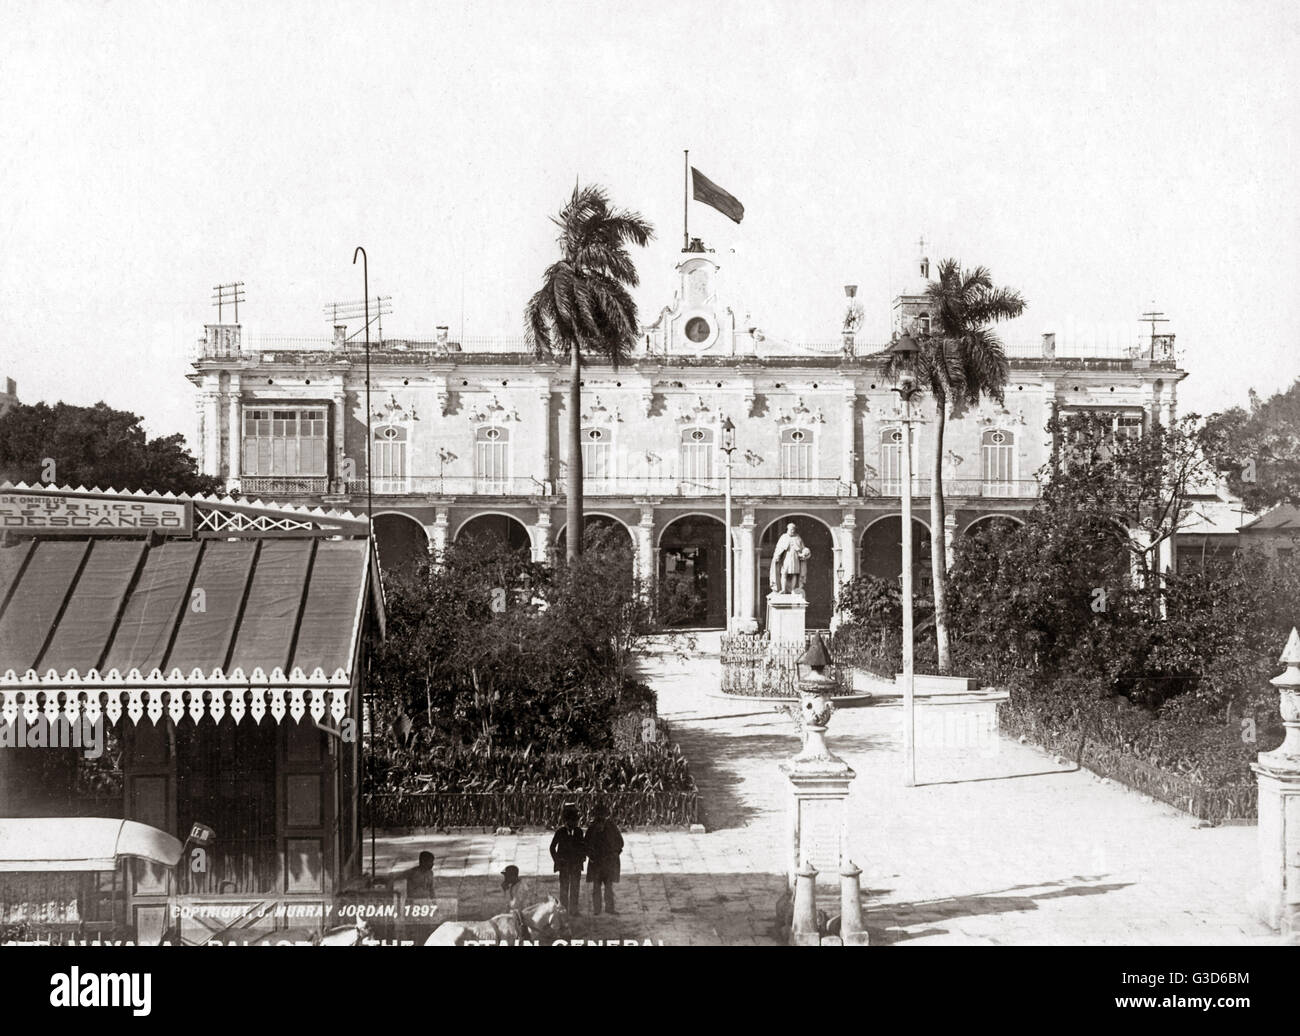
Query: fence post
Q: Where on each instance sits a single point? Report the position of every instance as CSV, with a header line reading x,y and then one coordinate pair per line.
x,y
1278,774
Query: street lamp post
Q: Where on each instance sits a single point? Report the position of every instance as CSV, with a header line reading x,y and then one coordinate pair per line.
x,y
728,447
906,349
370,503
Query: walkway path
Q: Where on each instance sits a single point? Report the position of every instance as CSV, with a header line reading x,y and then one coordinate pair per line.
x,y
998,843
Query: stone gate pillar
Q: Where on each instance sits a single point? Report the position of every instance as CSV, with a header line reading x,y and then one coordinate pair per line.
x,y
819,791
1278,773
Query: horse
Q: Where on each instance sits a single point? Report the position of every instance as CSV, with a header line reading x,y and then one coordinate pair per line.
x,y
358,934
543,921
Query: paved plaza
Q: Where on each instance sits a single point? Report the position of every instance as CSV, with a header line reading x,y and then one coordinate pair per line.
x,y
998,844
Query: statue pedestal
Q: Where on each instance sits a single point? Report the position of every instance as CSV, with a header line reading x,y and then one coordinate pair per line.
x,y
1278,773
785,619
819,791
1279,847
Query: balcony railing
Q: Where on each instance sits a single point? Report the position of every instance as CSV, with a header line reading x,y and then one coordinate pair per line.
x,y
655,486
284,485
1019,489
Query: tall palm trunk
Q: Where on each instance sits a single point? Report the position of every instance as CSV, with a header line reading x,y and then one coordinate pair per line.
x,y
573,492
938,548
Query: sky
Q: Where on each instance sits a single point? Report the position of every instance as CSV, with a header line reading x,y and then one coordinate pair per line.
x,y
1103,158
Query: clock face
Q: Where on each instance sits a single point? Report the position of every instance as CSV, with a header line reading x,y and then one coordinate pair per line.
x,y
697,329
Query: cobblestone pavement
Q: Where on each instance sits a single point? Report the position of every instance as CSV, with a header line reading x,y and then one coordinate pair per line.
x,y
998,843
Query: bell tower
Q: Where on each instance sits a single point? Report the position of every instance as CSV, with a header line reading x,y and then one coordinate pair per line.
x,y
913,304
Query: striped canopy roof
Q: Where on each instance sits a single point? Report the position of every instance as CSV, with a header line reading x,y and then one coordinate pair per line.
x,y
174,622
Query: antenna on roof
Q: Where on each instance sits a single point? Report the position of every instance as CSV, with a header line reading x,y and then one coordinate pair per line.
x,y
341,313
1154,316
228,295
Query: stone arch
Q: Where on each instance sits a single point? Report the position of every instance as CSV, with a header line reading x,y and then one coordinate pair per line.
x,y
692,572
985,518
400,541
596,522
499,526
817,536
880,550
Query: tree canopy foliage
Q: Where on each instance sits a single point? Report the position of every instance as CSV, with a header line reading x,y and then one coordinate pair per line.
x,y
95,446
1258,450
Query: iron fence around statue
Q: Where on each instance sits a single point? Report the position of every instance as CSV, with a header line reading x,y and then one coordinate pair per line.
x,y
753,667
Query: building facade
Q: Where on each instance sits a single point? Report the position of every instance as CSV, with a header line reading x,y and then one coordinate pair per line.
x,y
468,438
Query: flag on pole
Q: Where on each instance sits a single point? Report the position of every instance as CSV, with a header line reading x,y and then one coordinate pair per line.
x,y
711,194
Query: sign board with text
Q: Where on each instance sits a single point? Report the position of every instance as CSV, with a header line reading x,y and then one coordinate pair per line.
x,y
35,513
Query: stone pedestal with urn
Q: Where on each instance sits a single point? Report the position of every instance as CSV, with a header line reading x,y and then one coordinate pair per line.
x,y
819,789
1278,773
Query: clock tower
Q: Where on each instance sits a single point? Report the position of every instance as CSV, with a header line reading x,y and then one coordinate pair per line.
x,y
698,322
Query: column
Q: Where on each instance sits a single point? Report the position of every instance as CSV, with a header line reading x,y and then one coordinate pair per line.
x,y
343,471
846,559
949,538
234,438
1049,412
548,446
437,534
541,536
211,433
745,571
645,550
849,466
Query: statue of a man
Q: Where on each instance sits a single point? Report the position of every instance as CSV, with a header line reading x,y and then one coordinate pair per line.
x,y
789,562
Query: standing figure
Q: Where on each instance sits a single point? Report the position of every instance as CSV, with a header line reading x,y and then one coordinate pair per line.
x,y
568,850
419,879
604,844
790,560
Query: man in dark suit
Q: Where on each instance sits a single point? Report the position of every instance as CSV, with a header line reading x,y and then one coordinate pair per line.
x,y
604,843
568,850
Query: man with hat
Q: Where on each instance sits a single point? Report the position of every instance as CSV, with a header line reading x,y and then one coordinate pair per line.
x,y
568,851
604,843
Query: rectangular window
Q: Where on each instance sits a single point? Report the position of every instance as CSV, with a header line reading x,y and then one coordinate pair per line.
x,y
492,459
285,442
389,459
997,463
697,462
797,461
597,466
891,464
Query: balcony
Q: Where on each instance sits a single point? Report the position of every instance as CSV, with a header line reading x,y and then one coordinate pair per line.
x,y
283,485
635,486
1020,489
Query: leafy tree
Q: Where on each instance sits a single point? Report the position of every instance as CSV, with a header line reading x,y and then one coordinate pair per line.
x,y
1137,492
584,303
493,650
959,360
93,446
1259,450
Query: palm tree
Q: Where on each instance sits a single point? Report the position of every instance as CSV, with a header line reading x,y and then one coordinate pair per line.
x,y
584,304
959,360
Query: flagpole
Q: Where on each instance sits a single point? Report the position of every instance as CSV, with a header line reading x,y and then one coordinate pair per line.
x,y
686,193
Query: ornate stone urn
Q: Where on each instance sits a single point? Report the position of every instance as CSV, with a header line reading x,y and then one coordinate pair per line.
x,y
1286,756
